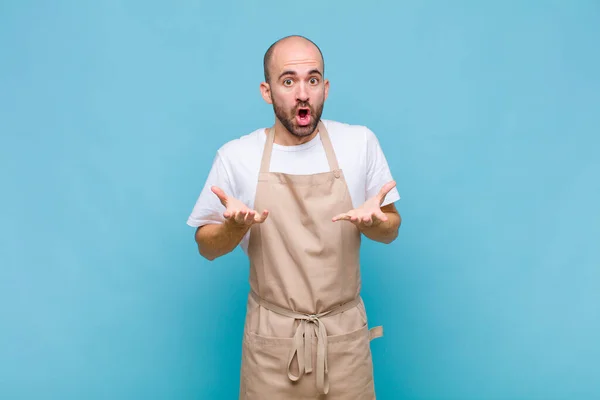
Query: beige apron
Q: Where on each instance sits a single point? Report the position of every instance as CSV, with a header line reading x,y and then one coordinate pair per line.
x,y
306,334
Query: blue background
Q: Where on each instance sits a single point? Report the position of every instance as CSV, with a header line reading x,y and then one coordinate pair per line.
x,y
110,116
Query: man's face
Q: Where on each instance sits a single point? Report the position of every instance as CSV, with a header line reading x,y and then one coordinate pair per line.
x,y
296,86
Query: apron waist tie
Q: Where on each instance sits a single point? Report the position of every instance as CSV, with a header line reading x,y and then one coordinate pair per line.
x,y
302,339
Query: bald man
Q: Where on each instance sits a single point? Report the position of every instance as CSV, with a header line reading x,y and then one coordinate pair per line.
x,y
297,197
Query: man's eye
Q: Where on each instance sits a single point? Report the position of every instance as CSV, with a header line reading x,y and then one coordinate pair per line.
x,y
314,81
287,82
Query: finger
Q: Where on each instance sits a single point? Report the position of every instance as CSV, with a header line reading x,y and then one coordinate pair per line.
x,y
229,214
366,220
340,217
249,218
385,189
220,194
240,216
262,217
234,216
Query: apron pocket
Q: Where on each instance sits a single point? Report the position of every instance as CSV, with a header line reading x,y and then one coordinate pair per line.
x,y
264,370
351,366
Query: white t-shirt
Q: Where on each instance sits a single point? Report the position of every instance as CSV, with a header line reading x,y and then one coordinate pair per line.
x,y
236,167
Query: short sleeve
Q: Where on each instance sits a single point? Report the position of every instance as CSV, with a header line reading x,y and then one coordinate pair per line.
x,y
208,208
378,170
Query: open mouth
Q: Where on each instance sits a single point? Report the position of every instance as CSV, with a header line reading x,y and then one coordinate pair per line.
x,y
303,116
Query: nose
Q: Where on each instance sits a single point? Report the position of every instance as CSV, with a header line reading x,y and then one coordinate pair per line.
x,y
302,93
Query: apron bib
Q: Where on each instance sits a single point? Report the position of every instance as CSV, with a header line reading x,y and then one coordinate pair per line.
x,y
306,334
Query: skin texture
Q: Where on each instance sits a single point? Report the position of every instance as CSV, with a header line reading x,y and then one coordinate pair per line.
x,y
295,82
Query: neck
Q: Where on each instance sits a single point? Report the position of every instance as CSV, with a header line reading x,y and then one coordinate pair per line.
x,y
283,137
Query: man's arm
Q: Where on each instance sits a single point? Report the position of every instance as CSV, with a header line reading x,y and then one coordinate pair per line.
x,y
216,240
387,231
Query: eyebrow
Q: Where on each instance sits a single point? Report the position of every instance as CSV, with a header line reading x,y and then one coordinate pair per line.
x,y
293,73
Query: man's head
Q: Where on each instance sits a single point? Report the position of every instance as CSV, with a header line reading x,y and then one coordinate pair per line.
x,y
295,83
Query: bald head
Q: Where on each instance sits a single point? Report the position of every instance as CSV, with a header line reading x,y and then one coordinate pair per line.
x,y
290,44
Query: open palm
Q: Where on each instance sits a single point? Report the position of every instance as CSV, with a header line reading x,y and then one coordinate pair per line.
x,y
237,212
369,214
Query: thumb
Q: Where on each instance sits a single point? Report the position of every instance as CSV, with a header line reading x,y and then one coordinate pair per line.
x,y
220,194
385,189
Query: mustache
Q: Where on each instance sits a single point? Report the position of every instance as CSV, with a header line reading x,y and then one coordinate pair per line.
x,y
303,105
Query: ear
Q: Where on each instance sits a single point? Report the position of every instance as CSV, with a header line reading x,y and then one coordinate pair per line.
x,y
265,91
326,89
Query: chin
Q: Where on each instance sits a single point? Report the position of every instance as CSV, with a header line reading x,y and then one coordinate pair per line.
x,y
304,130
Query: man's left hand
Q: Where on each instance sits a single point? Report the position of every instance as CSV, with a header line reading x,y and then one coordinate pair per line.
x,y
369,214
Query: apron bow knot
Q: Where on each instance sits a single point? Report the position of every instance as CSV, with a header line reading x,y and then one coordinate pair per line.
x,y
310,327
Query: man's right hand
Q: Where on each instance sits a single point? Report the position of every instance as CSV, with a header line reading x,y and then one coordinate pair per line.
x,y
236,212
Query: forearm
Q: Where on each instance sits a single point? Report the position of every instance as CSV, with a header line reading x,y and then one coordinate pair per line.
x,y
216,240
385,232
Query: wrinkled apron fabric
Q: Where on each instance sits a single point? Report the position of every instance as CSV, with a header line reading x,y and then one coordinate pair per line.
x,y
306,332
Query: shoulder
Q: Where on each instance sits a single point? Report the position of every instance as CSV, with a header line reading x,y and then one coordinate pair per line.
x,y
247,144
346,131
350,136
